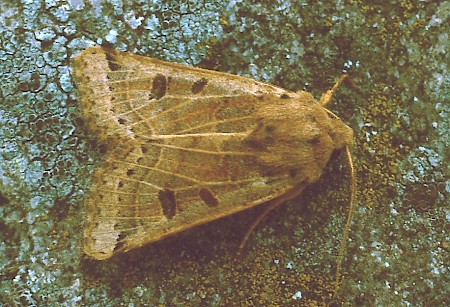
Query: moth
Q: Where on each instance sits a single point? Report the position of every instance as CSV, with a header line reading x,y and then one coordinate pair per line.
x,y
186,146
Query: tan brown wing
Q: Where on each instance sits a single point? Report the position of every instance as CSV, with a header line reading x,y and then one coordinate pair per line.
x,y
128,95
187,146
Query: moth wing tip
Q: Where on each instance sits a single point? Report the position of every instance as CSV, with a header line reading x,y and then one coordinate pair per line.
x,y
97,254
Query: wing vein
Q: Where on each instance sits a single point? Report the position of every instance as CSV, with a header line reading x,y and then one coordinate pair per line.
x,y
213,123
157,137
138,181
222,153
160,170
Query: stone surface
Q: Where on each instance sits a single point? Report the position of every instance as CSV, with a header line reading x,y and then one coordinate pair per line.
x,y
398,252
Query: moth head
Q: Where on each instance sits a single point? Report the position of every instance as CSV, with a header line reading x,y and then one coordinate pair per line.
x,y
340,132
298,137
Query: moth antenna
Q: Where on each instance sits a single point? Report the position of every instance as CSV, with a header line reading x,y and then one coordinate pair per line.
x,y
344,239
326,97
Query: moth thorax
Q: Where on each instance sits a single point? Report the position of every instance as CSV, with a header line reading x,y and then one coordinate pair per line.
x,y
298,140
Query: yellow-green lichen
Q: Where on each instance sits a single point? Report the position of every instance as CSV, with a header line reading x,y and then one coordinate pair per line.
x,y
377,167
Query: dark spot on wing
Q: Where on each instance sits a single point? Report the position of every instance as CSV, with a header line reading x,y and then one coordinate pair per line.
x,y
121,240
269,128
198,85
208,197
314,139
292,173
112,61
168,203
261,137
159,86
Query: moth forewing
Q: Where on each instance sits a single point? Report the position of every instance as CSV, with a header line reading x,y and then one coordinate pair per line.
x,y
187,146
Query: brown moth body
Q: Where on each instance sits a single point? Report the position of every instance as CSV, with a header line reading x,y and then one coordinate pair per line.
x,y
187,146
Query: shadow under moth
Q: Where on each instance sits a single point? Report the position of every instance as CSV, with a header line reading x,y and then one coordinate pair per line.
x,y
186,146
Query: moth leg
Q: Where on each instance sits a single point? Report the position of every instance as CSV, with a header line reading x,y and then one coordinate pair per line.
x,y
255,223
326,97
272,205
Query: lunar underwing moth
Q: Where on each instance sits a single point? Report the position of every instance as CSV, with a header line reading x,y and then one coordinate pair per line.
x,y
186,146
